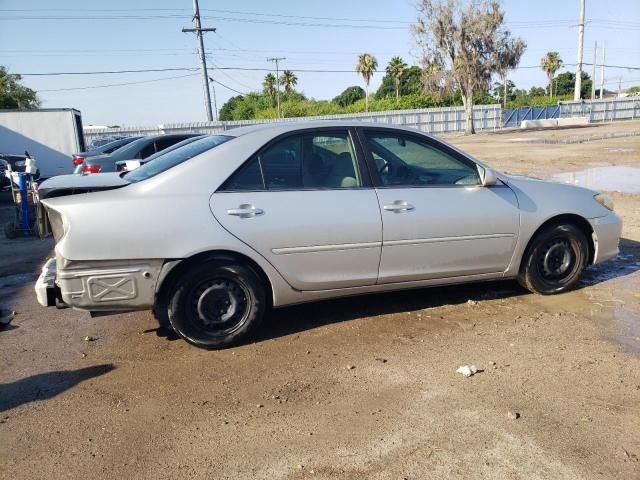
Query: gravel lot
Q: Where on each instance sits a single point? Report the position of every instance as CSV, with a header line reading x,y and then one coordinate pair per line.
x,y
360,388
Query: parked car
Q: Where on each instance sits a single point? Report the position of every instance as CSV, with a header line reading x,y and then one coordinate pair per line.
x,y
98,142
138,149
128,165
104,148
281,214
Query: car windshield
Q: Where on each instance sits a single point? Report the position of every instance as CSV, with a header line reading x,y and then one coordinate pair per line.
x,y
175,157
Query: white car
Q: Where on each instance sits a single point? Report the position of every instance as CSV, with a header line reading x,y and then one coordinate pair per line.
x,y
215,233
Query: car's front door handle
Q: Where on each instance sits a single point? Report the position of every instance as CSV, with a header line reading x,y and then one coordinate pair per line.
x,y
399,206
245,211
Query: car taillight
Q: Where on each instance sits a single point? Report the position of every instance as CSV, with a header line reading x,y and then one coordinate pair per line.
x,y
91,169
77,160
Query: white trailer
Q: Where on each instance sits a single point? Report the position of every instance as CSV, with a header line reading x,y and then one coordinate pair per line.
x,y
50,135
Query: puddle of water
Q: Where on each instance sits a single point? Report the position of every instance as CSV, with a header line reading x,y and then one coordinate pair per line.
x,y
628,324
576,138
612,178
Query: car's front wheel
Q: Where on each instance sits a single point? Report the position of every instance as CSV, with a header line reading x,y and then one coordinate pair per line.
x,y
555,260
217,304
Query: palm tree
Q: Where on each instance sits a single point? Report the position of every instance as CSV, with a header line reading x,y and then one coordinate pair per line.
x,y
289,80
269,85
367,64
551,63
396,70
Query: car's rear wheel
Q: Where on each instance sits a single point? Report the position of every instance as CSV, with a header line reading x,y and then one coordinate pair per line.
x,y
217,304
555,260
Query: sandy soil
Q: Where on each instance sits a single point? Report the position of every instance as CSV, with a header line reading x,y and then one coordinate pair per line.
x,y
361,388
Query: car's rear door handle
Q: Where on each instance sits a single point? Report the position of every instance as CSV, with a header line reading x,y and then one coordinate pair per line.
x,y
245,211
399,206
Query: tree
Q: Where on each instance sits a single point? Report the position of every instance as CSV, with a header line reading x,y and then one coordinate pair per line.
x,y
434,78
367,64
537,92
396,70
269,85
226,112
504,91
14,95
470,41
349,96
410,84
551,63
507,56
289,80
564,84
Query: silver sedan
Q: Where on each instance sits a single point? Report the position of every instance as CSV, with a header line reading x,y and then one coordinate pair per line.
x,y
214,234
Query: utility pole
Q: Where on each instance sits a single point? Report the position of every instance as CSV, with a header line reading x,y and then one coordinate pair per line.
x,y
602,72
198,30
215,102
578,84
593,72
276,60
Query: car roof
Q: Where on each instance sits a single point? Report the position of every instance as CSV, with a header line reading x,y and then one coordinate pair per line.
x,y
278,128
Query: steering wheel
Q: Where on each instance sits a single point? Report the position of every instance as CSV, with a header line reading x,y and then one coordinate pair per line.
x,y
384,167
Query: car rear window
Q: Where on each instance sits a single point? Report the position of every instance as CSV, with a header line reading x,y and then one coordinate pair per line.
x,y
175,157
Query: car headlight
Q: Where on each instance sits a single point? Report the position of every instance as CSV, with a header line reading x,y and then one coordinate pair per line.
x,y
605,201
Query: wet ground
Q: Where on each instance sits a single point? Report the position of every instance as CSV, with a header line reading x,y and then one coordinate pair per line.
x,y
361,388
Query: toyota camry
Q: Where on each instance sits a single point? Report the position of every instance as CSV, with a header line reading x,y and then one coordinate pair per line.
x,y
216,233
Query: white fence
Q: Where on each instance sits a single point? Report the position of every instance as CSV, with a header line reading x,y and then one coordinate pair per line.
x,y
605,110
431,120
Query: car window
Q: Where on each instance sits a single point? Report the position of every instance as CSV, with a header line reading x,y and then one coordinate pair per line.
x,y
130,150
163,143
175,157
247,178
403,160
305,161
148,150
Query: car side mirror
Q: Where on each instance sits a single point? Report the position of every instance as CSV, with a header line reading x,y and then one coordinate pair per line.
x,y
488,176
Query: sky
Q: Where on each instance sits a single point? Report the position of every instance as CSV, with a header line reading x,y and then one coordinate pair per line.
x,y
41,36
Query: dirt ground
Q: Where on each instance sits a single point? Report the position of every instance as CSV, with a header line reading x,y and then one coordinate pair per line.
x,y
360,388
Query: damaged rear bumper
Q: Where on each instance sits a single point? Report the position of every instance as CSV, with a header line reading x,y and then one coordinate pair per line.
x,y
100,285
46,289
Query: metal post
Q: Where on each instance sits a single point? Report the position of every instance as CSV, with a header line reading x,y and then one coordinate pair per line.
x,y
198,30
602,72
215,102
593,72
276,60
578,85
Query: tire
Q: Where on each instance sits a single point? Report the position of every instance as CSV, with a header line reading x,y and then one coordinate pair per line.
x,y
11,230
555,260
217,304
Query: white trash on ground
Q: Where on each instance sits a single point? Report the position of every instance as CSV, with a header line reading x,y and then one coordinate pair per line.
x,y
467,370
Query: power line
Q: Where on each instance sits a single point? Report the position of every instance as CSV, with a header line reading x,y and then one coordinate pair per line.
x,y
254,69
106,72
117,84
227,87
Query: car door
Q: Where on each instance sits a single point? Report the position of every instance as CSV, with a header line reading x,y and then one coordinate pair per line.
x,y
305,204
438,221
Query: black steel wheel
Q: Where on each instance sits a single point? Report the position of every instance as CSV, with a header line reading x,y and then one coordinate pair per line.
x,y
217,304
555,260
